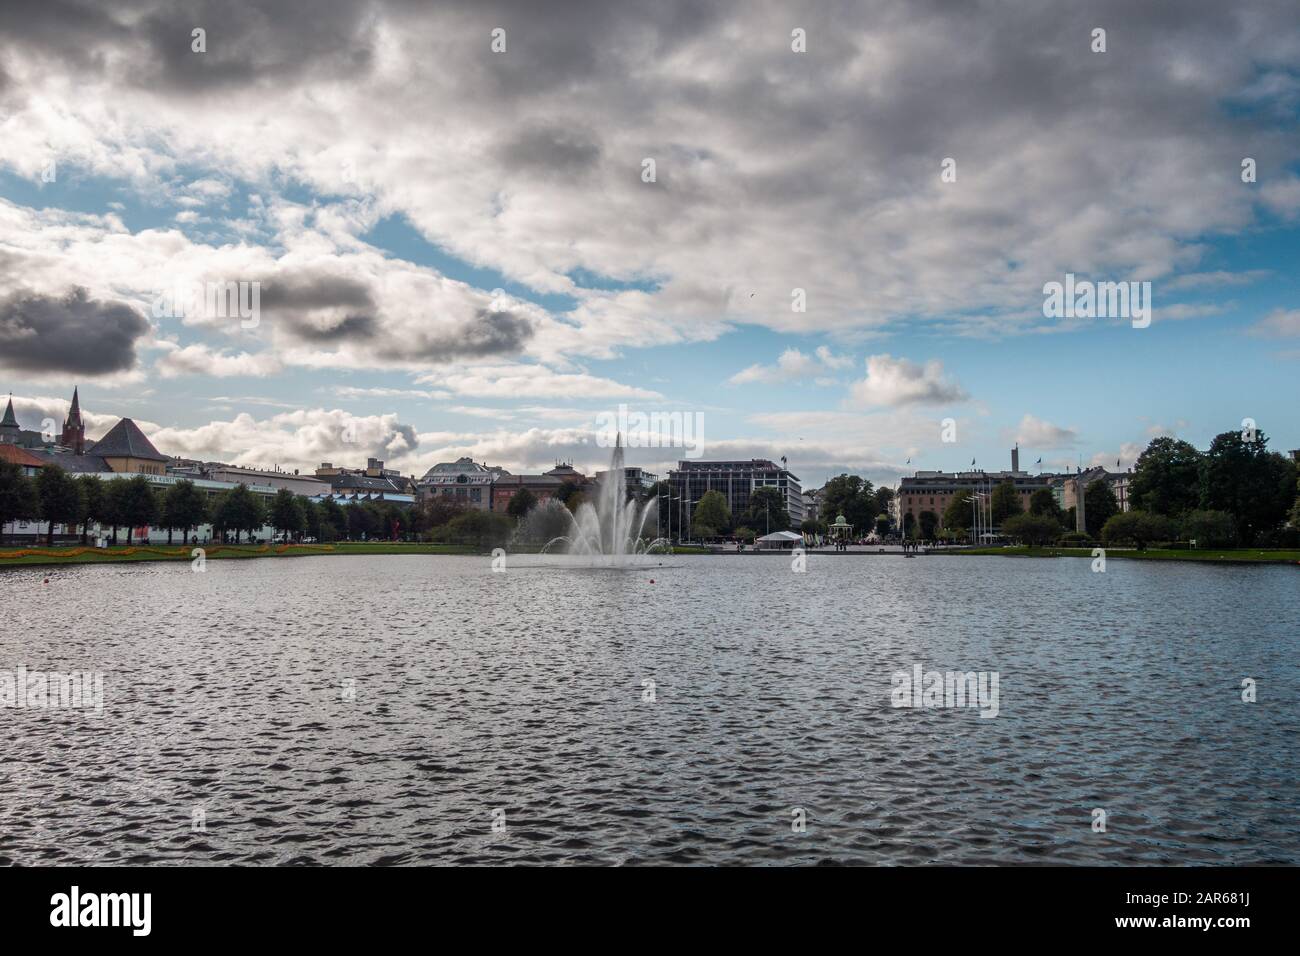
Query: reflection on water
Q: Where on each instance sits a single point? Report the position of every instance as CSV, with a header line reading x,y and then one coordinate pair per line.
x,y
379,709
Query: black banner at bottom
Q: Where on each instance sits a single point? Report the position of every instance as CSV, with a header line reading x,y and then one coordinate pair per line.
x,y
228,905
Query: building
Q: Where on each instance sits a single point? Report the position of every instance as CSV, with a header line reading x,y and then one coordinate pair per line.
x,y
73,436
1064,487
636,478
934,491
24,459
736,480
464,480
232,475
126,451
11,433
543,486
374,479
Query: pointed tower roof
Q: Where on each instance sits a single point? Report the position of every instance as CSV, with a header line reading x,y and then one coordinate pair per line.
x,y
125,440
74,411
9,420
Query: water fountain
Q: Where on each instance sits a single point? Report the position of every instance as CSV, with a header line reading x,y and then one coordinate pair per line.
x,y
610,532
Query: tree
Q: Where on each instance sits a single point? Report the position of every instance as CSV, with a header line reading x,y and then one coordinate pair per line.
x,y
521,502
395,520
111,508
18,498
240,510
566,491
712,516
851,496
480,529
882,525
314,517
360,521
333,522
1032,529
92,492
744,534
1138,528
813,526
884,498
929,522
1099,505
61,499
184,507
767,510
958,514
137,504
1043,502
1005,502
1210,529
1244,478
286,514
437,510
1166,478
1294,517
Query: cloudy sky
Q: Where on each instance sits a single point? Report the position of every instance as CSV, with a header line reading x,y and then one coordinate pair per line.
x,y
457,251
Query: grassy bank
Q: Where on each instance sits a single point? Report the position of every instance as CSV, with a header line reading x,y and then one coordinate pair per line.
x,y
35,556
21,557
1225,556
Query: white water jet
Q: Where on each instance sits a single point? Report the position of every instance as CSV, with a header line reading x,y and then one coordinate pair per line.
x,y
610,532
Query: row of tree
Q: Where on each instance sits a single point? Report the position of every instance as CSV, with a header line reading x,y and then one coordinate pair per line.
x,y
59,498
1235,492
765,513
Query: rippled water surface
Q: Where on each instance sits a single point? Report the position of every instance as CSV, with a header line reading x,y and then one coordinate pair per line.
x,y
474,692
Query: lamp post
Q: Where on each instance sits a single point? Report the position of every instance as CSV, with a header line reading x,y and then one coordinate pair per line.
x,y
977,514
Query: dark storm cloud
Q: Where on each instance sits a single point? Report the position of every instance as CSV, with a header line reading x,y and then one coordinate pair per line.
x,y
258,40
350,328
247,41
73,334
320,309
306,292
488,334
552,151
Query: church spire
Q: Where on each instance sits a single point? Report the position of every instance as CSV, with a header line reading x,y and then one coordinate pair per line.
x,y
74,431
9,420
74,412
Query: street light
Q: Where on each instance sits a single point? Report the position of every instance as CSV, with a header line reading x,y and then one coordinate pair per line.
x,y
976,514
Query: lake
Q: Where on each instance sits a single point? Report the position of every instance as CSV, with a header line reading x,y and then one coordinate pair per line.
x,y
423,709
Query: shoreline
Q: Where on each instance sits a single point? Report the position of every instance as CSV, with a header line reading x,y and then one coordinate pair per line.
x,y
1204,556
41,556
35,557
47,557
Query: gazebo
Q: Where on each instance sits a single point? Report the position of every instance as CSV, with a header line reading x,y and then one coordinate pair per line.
x,y
841,530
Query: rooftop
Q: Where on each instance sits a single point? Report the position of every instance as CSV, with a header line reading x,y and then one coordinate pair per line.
x,y
125,440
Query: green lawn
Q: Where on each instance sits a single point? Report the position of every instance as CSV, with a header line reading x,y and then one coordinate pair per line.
x,y
1226,555
122,554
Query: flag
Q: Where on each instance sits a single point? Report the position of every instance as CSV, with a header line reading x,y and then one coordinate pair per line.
x,y
972,462
1116,462
1039,462
909,461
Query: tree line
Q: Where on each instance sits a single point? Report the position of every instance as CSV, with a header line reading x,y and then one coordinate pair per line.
x,y
1235,492
59,498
